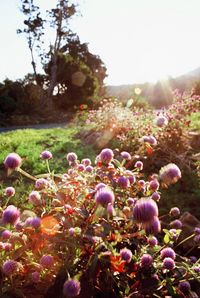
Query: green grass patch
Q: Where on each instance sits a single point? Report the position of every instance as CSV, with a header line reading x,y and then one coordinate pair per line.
x,y
29,143
195,121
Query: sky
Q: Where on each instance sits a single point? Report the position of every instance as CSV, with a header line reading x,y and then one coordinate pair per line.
x,y
138,40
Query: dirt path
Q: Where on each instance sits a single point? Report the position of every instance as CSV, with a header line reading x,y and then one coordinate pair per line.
x,y
35,126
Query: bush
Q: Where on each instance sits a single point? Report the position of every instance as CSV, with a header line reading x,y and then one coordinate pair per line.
x,y
96,228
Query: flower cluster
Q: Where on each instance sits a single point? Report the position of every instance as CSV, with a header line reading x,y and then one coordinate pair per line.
x,y
88,226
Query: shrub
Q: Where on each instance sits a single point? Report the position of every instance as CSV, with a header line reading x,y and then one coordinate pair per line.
x,y
87,228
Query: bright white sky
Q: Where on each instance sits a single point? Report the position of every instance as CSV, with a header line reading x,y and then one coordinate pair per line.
x,y
138,40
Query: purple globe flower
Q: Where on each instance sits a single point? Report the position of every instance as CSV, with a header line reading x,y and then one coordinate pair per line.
x,y
100,185
197,231
153,227
89,169
152,241
126,255
167,252
71,231
155,196
35,198
35,276
125,155
12,161
123,182
6,234
142,183
170,174
35,222
10,191
146,260
176,224
131,201
86,162
41,183
71,288
10,215
197,269
161,121
104,196
45,155
9,267
81,167
130,176
154,185
106,156
174,212
184,286
145,210
71,157
152,140
139,165
46,261
168,263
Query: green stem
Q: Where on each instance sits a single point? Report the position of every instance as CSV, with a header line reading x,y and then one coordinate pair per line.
x,y
26,174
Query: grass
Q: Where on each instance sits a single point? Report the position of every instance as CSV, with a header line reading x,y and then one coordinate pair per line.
x,y
195,122
29,143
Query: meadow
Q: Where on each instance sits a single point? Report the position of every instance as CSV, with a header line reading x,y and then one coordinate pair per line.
x,y
96,209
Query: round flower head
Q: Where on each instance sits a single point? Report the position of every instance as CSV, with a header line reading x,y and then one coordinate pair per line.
x,y
89,169
176,224
46,155
131,201
10,215
71,231
9,267
153,227
125,155
175,211
161,121
152,140
130,176
10,191
12,161
197,231
46,261
71,288
35,198
86,162
126,255
123,182
35,222
35,276
100,185
139,165
41,183
155,196
152,241
170,174
106,156
71,157
104,196
6,234
81,168
167,252
154,185
184,286
145,210
168,263
146,260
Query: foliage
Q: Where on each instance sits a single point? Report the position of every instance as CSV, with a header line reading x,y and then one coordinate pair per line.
x,y
72,72
83,237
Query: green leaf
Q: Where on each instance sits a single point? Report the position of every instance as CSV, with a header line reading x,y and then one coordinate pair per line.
x,y
129,103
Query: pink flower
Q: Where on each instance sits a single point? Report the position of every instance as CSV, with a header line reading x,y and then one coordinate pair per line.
x,y
9,267
10,191
46,155
106,156
170,174
71,288
46,261
12,161
104,196
145,210
11,215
